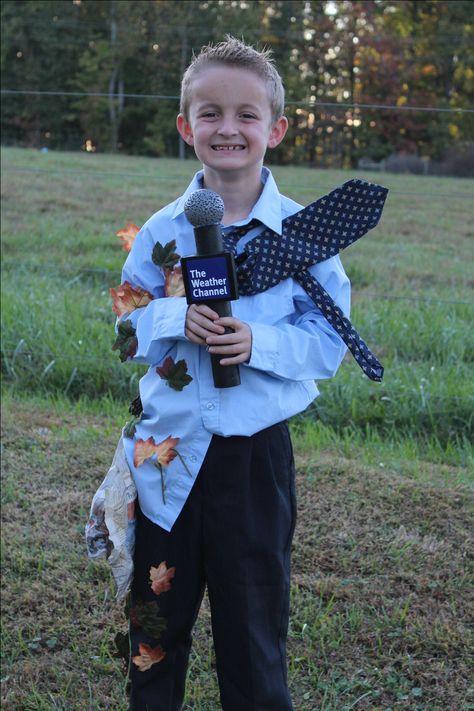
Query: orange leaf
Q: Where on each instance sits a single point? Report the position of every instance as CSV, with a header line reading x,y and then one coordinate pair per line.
x,y
148,656
126,298
144,449
165,452
174,284
160,578
127,234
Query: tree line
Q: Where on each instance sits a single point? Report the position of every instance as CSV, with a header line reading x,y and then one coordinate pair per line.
x,y
106,61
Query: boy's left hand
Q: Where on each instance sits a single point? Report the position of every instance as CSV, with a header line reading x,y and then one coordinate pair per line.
x,y
236,346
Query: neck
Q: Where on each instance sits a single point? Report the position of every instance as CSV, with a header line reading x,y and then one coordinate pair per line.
x,y
239,193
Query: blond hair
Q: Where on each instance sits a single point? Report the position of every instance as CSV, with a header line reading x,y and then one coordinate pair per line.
x,y
235,53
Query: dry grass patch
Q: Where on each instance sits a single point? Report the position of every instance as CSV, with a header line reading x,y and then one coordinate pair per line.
x,y
380,593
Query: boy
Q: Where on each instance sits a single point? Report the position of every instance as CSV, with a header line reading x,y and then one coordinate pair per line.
x,y
214,468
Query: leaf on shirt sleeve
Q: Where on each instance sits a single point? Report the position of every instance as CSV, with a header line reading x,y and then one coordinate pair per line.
x,y
175,374
160,578
126,341
136,407
148,656
127,234
165,257
131,426
174,284
165,451
126,298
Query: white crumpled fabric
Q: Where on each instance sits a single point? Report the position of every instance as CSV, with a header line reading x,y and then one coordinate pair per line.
x,y
110,531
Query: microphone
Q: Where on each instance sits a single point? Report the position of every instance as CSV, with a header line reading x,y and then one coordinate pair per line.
x,y
210,277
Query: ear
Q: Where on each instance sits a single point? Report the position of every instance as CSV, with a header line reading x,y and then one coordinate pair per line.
x,y
277,132
184,129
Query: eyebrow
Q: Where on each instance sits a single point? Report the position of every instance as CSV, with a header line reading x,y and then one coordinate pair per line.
x,y
212,105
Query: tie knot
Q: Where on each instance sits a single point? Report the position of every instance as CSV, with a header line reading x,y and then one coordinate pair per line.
x,y
237,232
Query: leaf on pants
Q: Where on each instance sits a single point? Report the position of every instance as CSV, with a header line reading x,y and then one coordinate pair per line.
x,y
160,578
148,656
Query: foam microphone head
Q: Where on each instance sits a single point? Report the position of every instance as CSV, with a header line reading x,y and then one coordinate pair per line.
x,y
204,207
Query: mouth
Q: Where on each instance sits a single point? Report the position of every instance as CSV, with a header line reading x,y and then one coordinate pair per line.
x,y
228,148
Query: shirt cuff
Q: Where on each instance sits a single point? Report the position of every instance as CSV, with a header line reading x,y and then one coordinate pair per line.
x,y
265,347
161,321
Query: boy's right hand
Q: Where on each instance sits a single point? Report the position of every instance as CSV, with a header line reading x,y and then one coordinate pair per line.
x,y
200,324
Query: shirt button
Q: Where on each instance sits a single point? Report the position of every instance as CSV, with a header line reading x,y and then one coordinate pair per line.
x,y
193,458
210,406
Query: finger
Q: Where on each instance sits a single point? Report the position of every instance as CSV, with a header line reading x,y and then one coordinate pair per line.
x,y
224,339
194,337
204,310
236,360
202,322
229,322
232,349
202,325
201,333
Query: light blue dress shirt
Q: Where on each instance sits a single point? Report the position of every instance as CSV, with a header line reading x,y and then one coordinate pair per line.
x,y
292,346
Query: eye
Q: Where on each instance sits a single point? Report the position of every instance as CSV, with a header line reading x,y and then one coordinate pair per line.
x,y
248,115
209,114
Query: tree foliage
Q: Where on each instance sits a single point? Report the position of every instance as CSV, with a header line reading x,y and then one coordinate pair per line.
x,y
335,58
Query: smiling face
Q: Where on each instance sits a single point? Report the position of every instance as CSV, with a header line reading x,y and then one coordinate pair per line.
x,y
230,121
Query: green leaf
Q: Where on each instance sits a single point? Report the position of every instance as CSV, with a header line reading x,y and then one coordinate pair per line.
x,y
122,643
165,257
128,605
148,617
126,341
131,426
176,374
136,407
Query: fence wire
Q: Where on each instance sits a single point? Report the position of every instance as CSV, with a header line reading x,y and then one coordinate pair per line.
x,y
301,102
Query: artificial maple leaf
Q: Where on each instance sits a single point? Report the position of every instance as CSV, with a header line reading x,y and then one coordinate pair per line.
x,y
160,578
165,257
127,234
147,616
144,449
126,341
126,298
175,374
136,407
133,616
131,426
148,656
165,452
174,284
122,644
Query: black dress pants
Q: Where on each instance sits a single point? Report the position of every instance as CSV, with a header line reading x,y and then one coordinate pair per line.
x,y
234,535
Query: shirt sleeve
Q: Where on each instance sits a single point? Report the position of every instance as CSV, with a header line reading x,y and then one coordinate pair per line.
x,y
307,347
159,324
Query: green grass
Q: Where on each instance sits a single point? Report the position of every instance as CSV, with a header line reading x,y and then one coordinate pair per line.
x,y
381,577
411,278
382,557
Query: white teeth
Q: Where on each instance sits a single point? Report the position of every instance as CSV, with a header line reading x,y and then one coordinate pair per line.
x,y
228,148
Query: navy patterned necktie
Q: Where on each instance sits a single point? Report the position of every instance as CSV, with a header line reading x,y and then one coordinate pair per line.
x,y
314,234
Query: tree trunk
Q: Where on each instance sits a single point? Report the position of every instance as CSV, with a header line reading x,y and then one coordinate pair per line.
x,y
184,56
113,113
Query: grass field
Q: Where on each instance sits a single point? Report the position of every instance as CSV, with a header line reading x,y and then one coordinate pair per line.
x,y
382,561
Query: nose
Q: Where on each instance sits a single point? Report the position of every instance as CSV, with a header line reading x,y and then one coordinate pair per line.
x,y
227,127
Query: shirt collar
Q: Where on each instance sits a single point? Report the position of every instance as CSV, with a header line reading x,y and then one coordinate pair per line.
x,y
267,209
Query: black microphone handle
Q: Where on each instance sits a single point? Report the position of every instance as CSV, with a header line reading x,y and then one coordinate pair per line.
x,y
225,376
209,241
